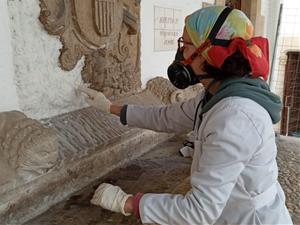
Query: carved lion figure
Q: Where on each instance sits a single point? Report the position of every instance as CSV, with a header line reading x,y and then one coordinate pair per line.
x,y
27,148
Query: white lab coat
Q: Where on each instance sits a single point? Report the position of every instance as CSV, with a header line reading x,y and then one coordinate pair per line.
x,y
234,170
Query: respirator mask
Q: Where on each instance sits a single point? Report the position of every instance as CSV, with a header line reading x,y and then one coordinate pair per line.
x,y
180,72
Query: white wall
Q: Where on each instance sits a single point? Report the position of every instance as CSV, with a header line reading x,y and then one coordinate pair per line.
x,y
43,89
8,94
156,63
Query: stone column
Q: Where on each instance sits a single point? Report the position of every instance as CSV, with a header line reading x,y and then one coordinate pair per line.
x,y
253,11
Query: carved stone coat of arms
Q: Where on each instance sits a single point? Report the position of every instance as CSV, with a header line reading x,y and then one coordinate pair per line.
x,y
106,33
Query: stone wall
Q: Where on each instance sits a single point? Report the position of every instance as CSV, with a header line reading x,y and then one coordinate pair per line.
x,y
43,88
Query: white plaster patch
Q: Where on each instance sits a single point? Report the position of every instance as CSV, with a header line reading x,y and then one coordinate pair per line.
x,y
44,90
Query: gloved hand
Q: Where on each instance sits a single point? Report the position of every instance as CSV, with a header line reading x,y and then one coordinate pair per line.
x,y
111,197
96,98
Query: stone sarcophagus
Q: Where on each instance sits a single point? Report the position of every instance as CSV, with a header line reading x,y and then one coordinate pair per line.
x,y
106,33
44,162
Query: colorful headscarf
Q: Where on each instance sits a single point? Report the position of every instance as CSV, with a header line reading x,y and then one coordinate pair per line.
x,y
237,28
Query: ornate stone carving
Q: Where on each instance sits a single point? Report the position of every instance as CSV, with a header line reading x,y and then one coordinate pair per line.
x,y
161,88
186,94
106,32
166,92
27,148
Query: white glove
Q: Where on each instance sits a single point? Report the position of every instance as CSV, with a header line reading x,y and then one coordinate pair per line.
x,y
111,197
96,98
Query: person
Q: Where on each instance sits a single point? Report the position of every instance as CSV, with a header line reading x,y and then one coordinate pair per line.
x,y
234,174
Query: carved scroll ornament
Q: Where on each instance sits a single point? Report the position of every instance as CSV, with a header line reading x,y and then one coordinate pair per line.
x,y
169,94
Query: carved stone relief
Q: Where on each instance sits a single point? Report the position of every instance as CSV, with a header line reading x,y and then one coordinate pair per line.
x,y
27,148
186,94
166,92
161,88
106,32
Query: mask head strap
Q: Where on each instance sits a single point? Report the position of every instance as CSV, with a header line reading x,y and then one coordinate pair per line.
x,y
211,40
